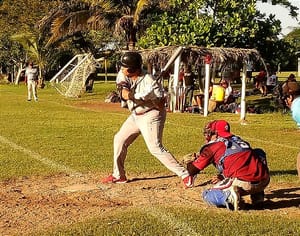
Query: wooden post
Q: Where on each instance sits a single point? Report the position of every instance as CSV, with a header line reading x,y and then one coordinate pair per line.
x,y
207,81
105,68
243,95
176,77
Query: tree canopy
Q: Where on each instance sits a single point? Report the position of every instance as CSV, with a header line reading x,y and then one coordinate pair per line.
x,y
225,23
72,25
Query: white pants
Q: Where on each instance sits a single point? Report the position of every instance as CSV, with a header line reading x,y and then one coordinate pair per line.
x,y
245,187
31,88
150,125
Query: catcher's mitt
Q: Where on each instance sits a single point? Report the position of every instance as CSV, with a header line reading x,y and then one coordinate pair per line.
x,y
188,158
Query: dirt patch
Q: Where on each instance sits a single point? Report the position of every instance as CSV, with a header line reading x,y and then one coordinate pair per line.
x,y
29,205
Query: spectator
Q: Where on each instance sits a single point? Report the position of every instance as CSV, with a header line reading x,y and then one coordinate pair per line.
x,y
292,94
228,105
228,97
291,78
242,170
271,82
180,99
189,84
181,76
260,82
31,80
249,68
198,99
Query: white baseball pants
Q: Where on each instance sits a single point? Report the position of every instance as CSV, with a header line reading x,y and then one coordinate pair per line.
x,y
150,125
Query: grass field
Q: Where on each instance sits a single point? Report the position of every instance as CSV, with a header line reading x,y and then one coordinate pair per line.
x,y
57,136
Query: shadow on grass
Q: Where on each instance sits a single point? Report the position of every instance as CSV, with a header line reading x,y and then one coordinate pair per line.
x,y
282,198
286,198
283,172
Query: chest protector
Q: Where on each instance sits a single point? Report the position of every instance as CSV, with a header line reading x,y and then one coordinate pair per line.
x,y
233,145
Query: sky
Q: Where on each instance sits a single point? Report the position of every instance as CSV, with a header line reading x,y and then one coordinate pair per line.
x,y
282,14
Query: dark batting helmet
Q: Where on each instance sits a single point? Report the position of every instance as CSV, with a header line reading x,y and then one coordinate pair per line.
x,y
131,60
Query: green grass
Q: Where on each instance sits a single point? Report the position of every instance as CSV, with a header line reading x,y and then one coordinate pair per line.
x,y
182,221
54,136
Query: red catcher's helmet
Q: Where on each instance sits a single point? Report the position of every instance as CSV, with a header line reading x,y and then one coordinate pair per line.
x,y
131,60
218,127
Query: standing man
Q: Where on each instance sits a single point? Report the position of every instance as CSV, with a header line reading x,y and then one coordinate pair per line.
x,y
249,68
145,100
292,94
242,170
31,79
189,83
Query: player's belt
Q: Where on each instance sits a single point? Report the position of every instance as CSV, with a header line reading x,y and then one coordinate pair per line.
x,y
144,112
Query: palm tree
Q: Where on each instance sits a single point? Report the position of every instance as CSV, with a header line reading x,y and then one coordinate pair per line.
x,y
76,16
30,43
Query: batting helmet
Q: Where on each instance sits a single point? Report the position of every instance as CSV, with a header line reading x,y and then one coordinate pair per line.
x,y
131,60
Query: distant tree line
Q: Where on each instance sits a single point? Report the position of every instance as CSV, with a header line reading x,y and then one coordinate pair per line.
x,y
50,32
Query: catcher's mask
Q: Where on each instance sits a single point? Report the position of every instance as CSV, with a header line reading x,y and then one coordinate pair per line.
x,y
220,128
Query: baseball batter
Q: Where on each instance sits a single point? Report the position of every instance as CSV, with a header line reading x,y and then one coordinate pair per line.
x,y
145,100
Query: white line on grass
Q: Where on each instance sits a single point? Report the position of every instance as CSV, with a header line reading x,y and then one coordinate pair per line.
x,y
38,157
172,220
272,143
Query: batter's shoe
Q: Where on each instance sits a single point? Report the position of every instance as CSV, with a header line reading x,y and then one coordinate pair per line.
x,y
233,198
188,181
111,179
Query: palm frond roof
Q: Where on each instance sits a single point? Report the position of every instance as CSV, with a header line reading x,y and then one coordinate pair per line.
x,y
196,55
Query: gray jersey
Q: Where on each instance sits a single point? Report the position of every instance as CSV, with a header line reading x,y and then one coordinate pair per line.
x,y
147,89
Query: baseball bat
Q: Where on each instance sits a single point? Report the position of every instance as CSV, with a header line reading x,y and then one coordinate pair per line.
x,y
173,58
170,61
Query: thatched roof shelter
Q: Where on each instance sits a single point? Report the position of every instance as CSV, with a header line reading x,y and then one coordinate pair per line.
x,y
219,58
196,55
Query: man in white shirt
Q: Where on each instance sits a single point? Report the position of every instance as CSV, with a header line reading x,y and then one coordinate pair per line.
x,y
31,79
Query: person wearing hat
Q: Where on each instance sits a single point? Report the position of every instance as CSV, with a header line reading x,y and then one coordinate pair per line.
x,y
291,92
145,100
242,169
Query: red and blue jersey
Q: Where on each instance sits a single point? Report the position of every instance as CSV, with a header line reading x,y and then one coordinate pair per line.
x,y
234,159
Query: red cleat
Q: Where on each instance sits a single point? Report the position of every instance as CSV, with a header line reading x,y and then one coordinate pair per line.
x,y
111,179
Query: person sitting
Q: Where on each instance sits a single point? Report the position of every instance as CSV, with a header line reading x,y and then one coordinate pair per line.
x,y
198,99
291,78
228,104
271,82
228,96
260,82
281,89
217,97
242,169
